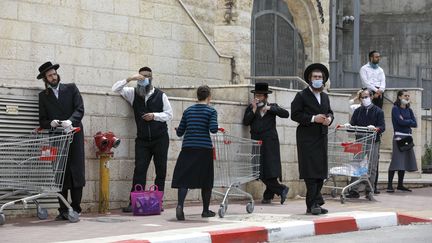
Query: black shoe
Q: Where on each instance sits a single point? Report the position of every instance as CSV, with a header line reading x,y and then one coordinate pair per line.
x,y
266,201
127,209
402,188
353,194
62,216
323,210
179,213
316,210
284,195
376,191
390,190
208,214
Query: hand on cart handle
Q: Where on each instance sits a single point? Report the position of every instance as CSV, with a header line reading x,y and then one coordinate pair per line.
x,y
346,125
55,123
372,128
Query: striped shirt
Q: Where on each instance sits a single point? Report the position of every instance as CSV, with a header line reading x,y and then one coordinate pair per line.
x,y
196,124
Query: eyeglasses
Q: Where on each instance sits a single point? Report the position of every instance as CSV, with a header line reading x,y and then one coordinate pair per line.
x,y
364,97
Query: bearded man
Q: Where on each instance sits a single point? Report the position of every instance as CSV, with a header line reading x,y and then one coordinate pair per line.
x,y
62,105
152,111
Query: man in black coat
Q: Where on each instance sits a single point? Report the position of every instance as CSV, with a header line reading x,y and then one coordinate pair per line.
x,y
62,105
261,116
311,109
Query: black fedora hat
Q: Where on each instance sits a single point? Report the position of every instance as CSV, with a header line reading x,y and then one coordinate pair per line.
x,y
45,68
261,88
315,66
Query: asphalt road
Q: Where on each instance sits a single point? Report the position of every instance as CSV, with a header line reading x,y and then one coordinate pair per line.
x,y
397,234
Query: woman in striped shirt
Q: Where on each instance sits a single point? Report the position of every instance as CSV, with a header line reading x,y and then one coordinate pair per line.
x,y
194,167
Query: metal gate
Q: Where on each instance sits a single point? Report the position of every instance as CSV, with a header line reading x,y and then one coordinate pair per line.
x,y
277,47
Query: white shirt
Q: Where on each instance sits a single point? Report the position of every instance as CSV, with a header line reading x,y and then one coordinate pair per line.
x,y
55,90
372,78
128,94
318,97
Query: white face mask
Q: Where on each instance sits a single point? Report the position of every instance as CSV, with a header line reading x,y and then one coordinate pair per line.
x,y
366,101
405,102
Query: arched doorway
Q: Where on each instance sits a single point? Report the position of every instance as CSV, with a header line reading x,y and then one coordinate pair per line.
x,y
277,47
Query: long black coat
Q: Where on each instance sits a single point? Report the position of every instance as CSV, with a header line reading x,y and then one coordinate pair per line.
x,y
311,137
264,128
69,106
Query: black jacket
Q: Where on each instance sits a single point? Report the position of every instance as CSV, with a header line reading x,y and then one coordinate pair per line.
x,y
69,106
264,128
311,137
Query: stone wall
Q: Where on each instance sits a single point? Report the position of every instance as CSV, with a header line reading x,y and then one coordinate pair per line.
x,y
99,42
399,29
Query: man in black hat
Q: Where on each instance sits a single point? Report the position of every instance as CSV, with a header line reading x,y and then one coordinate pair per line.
x,y
62,105
311,109
261,117
152,111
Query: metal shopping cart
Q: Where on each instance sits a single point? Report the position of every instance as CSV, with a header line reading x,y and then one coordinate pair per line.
x,y
34,166
236,161
349,153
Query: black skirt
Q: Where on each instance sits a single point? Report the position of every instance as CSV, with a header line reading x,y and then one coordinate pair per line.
x,y
194,169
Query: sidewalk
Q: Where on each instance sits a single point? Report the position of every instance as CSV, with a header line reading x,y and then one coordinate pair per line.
x,y
273,222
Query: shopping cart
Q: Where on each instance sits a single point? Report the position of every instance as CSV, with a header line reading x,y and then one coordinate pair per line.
x,y
349,152
236,161
33,166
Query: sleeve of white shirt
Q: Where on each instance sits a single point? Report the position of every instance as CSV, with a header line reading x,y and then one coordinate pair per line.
x,y
167,113
127,92
364,79
383,82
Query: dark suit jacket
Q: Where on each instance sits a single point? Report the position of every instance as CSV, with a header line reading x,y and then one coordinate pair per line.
x,y
69,106
264,129
311,137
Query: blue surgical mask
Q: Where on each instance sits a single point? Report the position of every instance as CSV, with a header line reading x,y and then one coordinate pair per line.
x,y
374,65
317,83
144,82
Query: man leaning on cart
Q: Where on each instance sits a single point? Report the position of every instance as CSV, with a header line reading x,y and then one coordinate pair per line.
x,y
61,105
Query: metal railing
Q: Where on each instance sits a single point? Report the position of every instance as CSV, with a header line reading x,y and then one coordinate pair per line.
x,y
288,82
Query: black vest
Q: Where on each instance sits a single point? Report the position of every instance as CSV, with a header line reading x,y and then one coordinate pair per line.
x,y
149,130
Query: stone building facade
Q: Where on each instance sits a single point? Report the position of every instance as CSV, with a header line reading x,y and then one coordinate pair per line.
x,y
186,42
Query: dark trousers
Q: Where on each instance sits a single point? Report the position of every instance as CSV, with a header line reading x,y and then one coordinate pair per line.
x,y
313,193
378,101
144,152
76,196
272,187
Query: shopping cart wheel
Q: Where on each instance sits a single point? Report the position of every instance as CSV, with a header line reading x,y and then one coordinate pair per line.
x,y
250,207
73,217
342,199
369,196
333,193
2,219
42,213
221,211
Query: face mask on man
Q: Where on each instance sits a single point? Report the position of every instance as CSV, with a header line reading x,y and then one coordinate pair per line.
x,y
366,101
405,102
144,82
317,84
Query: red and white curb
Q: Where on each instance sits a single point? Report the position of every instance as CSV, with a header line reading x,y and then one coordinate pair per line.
x,y
331,224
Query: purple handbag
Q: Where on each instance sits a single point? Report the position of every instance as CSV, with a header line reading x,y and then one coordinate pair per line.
x,y
146,202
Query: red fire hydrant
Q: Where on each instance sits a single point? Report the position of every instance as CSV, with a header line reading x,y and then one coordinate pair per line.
x,y
105,142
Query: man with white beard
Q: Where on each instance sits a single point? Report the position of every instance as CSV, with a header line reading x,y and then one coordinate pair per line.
x,y
152,111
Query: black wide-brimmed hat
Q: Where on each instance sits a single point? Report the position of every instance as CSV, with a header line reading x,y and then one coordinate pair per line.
x,y
45,68
315,66
261,88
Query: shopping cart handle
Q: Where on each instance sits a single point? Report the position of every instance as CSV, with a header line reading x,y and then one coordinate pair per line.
x,y
221,129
